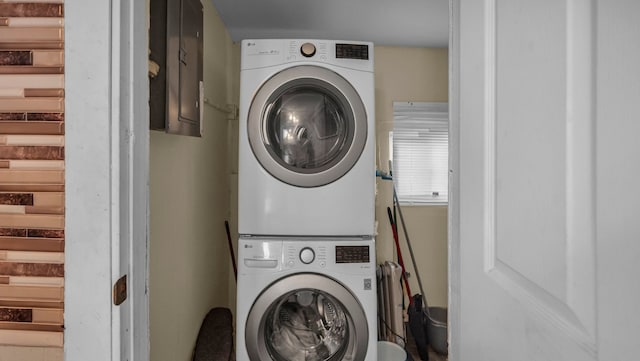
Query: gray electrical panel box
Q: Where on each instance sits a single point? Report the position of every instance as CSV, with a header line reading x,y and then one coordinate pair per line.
x,y
175,41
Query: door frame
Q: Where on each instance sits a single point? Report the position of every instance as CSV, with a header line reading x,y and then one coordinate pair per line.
x,y
101,61
107,161
453,227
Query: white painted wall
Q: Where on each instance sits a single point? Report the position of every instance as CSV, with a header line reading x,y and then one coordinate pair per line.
x,y
411,74
189,202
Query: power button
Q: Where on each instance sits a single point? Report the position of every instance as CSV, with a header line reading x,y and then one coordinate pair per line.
x,y
307,255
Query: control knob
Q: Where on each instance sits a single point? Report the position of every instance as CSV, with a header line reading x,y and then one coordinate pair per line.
x,y
307,255
308,50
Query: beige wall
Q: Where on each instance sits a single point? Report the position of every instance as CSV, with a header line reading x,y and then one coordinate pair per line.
x,y
189,202
411,74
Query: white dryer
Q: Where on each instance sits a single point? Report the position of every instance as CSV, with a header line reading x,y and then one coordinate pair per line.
x,y
306,142
306,299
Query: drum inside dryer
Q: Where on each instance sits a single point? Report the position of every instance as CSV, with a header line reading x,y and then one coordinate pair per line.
x,y
306,324
306,128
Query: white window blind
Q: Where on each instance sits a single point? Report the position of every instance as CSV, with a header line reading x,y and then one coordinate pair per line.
x,y
420,152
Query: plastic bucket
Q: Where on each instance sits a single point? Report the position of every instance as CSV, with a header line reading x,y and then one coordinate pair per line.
x,y
389,351
437,329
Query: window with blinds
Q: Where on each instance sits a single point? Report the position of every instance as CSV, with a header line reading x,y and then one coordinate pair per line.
x,y
419,147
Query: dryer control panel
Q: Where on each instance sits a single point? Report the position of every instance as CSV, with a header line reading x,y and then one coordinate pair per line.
x,y
260,53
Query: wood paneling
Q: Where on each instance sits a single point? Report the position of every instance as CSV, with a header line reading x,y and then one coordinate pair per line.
x,y
32,175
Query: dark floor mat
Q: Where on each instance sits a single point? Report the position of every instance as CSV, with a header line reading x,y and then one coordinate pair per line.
x,y
215,339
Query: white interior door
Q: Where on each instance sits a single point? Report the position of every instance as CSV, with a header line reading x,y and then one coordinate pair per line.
x,y
545,243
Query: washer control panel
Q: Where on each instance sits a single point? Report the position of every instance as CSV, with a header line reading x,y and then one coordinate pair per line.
x,y
264,255
296,254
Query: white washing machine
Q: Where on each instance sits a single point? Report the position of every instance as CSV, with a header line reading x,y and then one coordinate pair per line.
x,y
306,299
306,138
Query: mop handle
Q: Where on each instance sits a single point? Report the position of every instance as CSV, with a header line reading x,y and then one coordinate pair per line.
x,y
406,236
395,238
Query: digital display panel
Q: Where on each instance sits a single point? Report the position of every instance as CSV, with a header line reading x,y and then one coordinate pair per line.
x,y
352,254
352,51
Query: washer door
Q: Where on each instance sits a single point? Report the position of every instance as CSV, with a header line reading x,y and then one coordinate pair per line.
x,y
307,126
306,317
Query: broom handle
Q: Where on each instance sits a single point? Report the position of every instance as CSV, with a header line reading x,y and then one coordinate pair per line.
x,y
233,256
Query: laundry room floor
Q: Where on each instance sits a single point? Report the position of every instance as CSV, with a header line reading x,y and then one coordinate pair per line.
x,y
411,348
432,355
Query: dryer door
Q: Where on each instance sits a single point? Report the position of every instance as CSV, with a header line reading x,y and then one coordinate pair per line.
x,y
307,126
306,317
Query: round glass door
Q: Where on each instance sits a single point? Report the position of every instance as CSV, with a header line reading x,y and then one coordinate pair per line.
x,y
306,324
307,126
306,317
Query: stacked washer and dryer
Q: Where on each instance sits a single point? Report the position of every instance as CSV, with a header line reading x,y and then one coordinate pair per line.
x,y
306,196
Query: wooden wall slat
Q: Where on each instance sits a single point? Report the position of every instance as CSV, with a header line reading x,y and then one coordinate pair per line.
x,y
31,152
40,353
32,140
32,81
22,69
32,9
31,338
31,293
30,326
36,281
17,268
31,244
35,22
34,164
31,303
32,220
41,104
31,176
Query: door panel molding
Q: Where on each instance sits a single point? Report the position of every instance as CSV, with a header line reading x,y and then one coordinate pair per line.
x,y
573,314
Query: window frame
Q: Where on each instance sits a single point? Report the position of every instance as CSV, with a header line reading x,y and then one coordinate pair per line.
x,y
421,118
